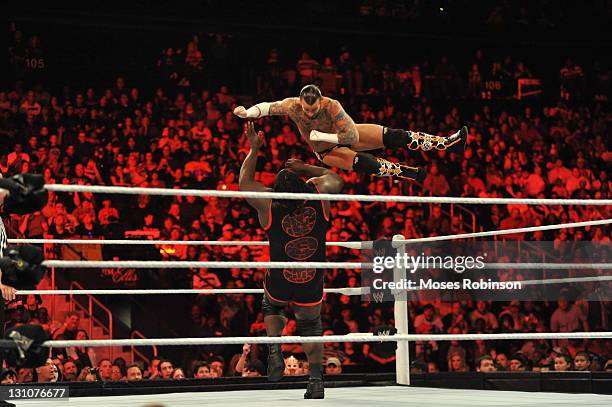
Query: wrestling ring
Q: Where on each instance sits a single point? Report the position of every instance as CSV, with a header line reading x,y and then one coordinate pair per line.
x,y
400,393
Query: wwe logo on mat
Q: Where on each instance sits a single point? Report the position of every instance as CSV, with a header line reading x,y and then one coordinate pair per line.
x,y
378,296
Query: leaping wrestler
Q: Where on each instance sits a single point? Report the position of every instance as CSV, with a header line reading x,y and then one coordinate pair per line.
x,y
338,142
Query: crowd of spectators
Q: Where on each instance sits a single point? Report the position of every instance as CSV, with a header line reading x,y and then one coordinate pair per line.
x,y
182,136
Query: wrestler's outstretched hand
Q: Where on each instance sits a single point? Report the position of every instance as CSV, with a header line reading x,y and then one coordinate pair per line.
x,y
255,138
240,111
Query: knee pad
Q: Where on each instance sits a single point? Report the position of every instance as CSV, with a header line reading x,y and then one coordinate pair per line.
x,y
269,309
366,163
309,327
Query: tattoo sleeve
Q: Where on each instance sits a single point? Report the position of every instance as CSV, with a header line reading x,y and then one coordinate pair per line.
x,y
347,132
280,108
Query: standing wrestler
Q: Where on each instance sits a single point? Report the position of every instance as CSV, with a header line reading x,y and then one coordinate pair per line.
x,y
338,142
296,232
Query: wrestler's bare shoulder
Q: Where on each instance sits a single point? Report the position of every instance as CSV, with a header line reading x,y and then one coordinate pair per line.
x,y
329,103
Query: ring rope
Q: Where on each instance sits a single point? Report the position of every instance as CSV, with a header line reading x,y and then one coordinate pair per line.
x,y
145,264
567,280
358,337
323,197
350,245
343,291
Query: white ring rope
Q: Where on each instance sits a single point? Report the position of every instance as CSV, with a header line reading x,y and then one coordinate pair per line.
x,y
343,291
350,245
145,264
591,279
507,231
323,197
359,337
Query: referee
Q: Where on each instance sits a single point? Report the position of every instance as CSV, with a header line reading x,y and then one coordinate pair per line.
x,y
19,194
8,292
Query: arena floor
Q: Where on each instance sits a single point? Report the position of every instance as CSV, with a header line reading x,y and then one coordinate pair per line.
x,y
348,396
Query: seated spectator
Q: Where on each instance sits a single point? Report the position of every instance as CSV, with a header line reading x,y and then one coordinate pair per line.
x,y
511,319
217,366
165,369
206,279
534,183
567,318
417,367
242,361
178,374
105,369
153,369
85,357
68,331
456,363
437,224
107,213
456,318
514,221
435,183
333,366
501,360
517,364
428,322
25,375
563,363
254,368
292,366
45,373
134,373
482,312
485,364
582,362
201,370
71,371
117,373
8,376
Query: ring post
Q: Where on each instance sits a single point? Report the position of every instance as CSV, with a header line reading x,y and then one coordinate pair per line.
x,y
402,356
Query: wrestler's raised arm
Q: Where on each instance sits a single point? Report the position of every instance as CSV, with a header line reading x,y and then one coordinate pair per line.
x,y
278,108
246,180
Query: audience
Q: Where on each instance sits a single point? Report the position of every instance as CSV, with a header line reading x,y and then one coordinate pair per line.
x,y
179,135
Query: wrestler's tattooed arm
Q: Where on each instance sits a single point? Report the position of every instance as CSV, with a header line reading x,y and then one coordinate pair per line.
x,y
347,132
263,109
282,107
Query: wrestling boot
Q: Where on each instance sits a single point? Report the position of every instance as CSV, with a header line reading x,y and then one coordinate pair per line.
x,y
276,363
454,143
315,389
389,169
